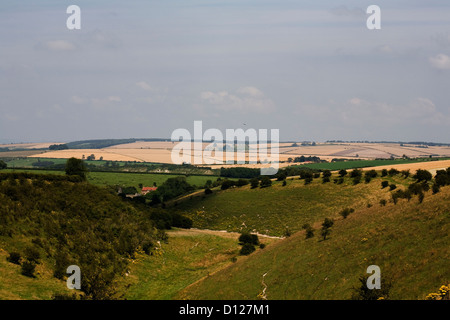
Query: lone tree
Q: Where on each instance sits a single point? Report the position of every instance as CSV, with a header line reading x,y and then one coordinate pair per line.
x,y
265,182
326,227
76,167
342,173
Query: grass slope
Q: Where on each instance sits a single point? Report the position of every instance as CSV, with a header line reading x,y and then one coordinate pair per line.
x,y
270,210
177,264
408,241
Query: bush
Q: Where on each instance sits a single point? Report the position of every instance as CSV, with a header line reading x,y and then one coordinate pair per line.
x,y
208,191
309,231
393,172
364,293
248,238
383,202
384,184
265,182
246,249
345,212
254,183
423,175
32,254
384,172
356,173
392,187
421,197
326,227
435,188
14,257
326,173
28,269
342,173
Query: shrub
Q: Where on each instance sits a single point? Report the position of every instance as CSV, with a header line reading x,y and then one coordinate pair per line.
x,y
32,254
384,184
326,227
254,183
14,257
325,179
364,293
248,238
309,230
345,212
393,172
208,191
423,175
435,188
392,187
384,172
421,197
356,173
246,249
342,173
28,269
326,173
265,182
383,202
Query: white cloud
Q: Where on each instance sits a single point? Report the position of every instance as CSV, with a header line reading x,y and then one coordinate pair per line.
x,y
440,61
144,86
59,45
245,99
77,100
100,103
345,11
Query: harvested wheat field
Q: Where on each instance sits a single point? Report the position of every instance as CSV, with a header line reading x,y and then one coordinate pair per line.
x,y
431,166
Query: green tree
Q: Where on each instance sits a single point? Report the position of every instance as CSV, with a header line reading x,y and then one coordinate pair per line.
x,y
3,165
326,227
254,182
364,293
342,173
76,167
265,182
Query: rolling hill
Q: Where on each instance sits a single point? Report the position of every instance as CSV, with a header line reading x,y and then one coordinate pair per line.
x,y
408,241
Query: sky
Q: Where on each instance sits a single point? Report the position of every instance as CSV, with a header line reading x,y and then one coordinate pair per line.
x,y
142,69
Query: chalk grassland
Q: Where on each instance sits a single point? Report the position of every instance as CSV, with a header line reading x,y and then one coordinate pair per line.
x,y
188,257
271,210
15,286
183,260
408,241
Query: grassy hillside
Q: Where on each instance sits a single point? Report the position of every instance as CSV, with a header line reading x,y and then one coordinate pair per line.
x,y
270,210
127,179
409,241
54,221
